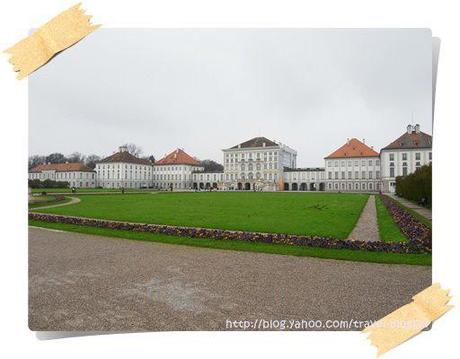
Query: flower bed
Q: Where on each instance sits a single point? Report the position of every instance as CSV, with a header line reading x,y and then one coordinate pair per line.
x,y
412,246
411,227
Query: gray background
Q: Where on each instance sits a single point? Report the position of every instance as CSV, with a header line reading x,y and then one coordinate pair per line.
x,y
204,90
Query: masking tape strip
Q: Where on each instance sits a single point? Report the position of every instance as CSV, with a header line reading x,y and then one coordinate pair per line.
x,y
410,319
61,32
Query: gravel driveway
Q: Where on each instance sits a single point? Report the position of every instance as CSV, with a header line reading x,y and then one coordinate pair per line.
x,y
84,282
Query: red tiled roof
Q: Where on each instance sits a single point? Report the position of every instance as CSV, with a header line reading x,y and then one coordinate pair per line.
x,y
411,140
353,148
257,142
178,157
125,157
62,167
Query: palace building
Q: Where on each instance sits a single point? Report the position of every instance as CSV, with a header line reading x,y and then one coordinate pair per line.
x,y
123,170
354,167
258,164
76,174
174,171
404,156
304,179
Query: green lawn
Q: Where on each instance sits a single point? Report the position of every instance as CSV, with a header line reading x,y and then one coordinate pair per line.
x,y
340,254
388,229
88,190
326,214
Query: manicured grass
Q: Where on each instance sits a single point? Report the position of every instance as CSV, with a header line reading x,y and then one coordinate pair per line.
x,y
388,229
40,201
89,190
340,254
322,214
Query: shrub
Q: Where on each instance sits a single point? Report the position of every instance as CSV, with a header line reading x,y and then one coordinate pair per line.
x,y
36,183
416,187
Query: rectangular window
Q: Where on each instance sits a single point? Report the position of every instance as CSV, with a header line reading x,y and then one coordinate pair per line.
x,y
356,174
404,169
429,156
349,175
392,157
404,156
336,175
329,175
370,162
363,175
392,171
377,174
417,156
370,174
343,174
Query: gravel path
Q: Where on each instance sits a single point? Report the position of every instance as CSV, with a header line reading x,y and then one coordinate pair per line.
x,y
85,282
367,228
73,200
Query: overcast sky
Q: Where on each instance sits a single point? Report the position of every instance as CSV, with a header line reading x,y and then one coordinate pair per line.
x,y
205,90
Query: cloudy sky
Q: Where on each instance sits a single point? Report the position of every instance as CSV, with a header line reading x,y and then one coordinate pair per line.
x,y
205,90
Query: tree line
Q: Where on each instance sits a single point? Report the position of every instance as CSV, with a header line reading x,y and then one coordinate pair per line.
x,y
90,160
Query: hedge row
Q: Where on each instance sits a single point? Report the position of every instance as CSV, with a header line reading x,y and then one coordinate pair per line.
x,y
416,187
36,183
412,246
411,227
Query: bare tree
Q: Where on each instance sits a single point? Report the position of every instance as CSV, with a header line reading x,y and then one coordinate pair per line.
x,y
91,160
55,158
36,160
211,166
134,149
76,157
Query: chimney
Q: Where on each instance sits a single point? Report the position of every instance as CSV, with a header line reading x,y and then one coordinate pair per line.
x,y
123,149
409,129
348,140
417,128
239,146
364,140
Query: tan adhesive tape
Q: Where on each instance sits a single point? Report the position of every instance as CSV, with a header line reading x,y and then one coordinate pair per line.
x,y
61,32
410,319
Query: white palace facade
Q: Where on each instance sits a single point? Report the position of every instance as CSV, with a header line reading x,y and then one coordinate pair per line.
x,y
258,164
